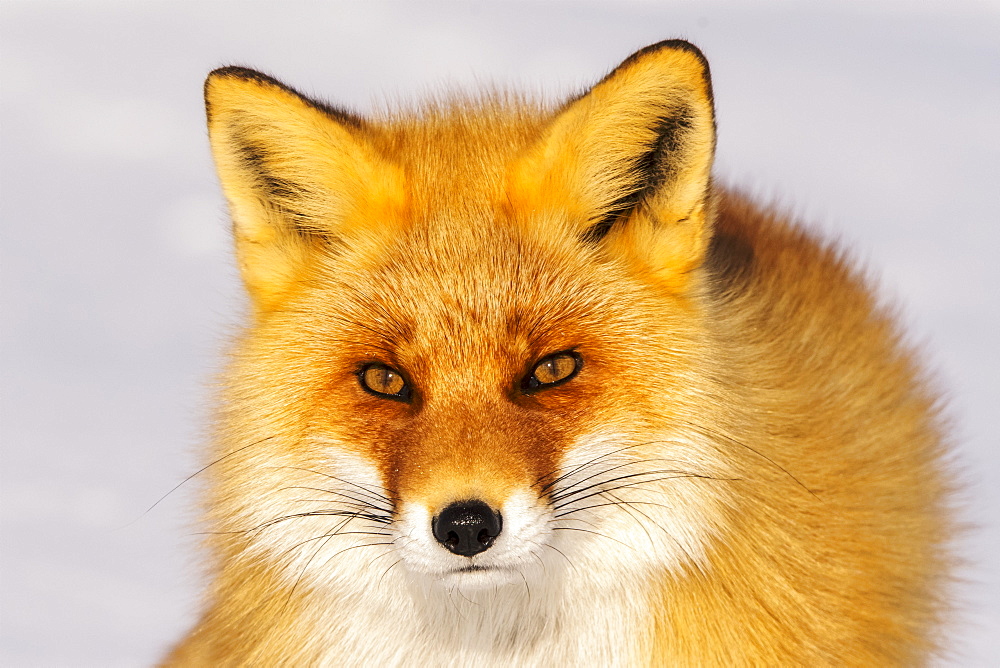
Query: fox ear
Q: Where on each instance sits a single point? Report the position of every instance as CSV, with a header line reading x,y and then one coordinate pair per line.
x,y
294,172
629,162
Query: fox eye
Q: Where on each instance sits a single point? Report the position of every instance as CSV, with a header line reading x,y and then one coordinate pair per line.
x,y
383,381
552,370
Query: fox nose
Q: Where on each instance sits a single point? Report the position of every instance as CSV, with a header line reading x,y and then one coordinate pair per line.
x,y
467,527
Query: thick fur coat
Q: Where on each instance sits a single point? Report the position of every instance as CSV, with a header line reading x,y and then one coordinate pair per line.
x,y
681,429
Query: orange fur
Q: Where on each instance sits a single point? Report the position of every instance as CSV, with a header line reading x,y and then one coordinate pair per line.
x,y
745,468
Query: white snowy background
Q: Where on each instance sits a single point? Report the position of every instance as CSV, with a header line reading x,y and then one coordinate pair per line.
x,y
879,123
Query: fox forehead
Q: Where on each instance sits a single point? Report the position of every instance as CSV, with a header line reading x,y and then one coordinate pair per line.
x,y
457,151
445,239
466,296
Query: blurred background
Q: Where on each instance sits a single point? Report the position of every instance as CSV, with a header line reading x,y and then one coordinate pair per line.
x,y
878,122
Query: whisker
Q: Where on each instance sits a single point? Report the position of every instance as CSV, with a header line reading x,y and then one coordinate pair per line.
x,y
636,483
633,462
317,513
580,467
577,483
386,571
379,556
560,553
360,501
198,472
526,587
563,497
361,507
669,535
352,547
609,503
596,533
328,535
373,493
628,510
537,557
719,435
305,567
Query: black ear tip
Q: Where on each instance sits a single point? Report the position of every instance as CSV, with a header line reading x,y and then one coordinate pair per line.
x,y
234,72
681,45
672,45
666,45
248,74
244,74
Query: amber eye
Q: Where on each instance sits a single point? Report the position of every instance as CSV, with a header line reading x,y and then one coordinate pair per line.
x,y
552,370
384,381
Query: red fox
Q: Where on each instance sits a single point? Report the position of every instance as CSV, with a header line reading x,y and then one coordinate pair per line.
x,y
523,386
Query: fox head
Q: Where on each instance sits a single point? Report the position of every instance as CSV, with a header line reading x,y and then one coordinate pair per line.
x,y
477,351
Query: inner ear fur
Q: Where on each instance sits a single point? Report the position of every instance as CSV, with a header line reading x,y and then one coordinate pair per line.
x,y
628,164
296,173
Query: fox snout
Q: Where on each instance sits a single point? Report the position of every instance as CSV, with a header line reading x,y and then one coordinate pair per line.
x,y
467,528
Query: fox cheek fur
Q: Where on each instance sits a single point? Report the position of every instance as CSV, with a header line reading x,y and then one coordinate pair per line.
x,y
522,386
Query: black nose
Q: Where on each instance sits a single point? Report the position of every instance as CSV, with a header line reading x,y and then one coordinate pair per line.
x,y
467,527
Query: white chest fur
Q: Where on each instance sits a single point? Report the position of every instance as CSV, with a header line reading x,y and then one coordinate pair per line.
x,y
556,623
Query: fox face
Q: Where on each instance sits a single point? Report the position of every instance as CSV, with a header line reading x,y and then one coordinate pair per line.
x,y
483,418
466,359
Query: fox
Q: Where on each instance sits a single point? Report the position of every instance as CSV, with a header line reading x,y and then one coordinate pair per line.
x,y
522,385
